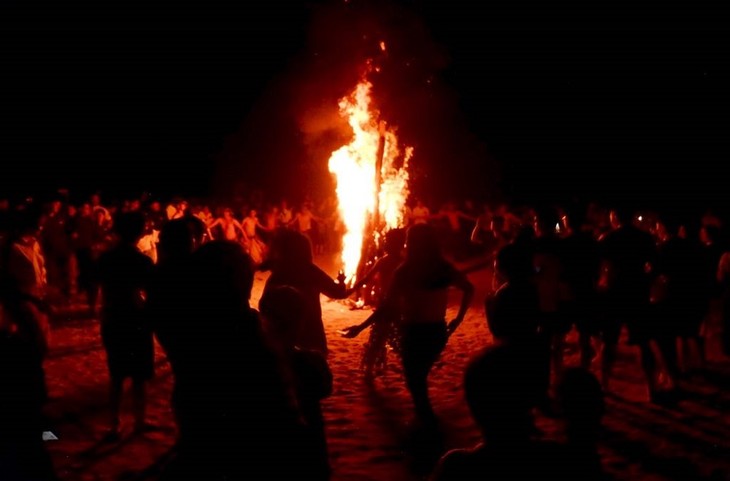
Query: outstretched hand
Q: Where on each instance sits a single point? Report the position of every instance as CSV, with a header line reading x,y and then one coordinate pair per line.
x,y
351,332
451,327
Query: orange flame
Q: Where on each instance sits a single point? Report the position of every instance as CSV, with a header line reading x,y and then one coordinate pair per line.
x,y
354,166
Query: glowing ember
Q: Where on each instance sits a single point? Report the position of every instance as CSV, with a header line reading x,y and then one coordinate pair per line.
x,y
354,166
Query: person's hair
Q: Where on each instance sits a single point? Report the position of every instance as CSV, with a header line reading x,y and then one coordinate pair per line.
x,y
129,226
283,308
290,247
499,386
422,243
176,238
223,276
395,239
513,264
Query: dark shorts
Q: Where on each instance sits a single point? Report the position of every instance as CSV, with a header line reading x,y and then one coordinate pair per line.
x,y
129,351
422,343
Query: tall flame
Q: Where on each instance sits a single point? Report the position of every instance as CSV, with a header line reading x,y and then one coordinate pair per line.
x,y
354,166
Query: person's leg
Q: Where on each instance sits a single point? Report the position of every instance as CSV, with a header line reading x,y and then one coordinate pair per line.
x,y
648,364
422,346
116,388
611,336
139,394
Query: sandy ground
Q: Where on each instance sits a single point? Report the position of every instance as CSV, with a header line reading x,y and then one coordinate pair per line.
x,y
368,427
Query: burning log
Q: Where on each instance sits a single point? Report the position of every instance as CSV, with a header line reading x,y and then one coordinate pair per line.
x,y
371,189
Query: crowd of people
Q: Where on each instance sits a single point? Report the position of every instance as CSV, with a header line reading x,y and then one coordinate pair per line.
x,y
248,387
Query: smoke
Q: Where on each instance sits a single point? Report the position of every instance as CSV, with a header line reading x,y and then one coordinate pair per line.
x,y
409,91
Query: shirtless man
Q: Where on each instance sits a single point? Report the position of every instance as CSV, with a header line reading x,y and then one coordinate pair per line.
x,y
251,242
230,226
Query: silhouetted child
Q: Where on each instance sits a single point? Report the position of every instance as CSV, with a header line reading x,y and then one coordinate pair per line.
x,y
499,391
283,310
124,276
582,406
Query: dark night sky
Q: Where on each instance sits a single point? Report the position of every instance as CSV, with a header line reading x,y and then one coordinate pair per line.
x,y
540,102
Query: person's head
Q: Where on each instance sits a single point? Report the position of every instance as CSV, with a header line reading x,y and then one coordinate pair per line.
x,y
422,243
395,240
512,264
546,219
227,213
581,401
710,234
176,240
26,221
155,206
252,213
56,205
575,217
283,309
620,216
129,226
499,386
222,274
86,210
290,248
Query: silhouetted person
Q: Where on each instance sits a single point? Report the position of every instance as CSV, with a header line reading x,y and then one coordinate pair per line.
x,y
582,406
581,270
680,265
419,292
124,276
499,390
513,311
23,456
291,264
553,291
236,412
628,255
283,309
23,348
170,288
383,322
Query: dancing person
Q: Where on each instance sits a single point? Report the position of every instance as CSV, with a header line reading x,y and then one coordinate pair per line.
x,y
419,293
383,322
124,277
283,310
291,264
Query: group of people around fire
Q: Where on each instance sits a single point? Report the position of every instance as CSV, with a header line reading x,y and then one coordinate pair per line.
x,y
249,380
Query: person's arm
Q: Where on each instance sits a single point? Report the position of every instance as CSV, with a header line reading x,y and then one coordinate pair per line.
x,y
466,216
238,226
367,277
351,332
461,282
326,285
476,232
